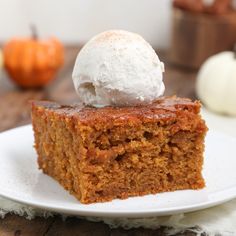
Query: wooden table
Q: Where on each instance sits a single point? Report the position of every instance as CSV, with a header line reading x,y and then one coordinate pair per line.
x,y
15,111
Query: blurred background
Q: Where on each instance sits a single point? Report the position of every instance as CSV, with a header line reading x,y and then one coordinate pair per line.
x,y
76,21
194,38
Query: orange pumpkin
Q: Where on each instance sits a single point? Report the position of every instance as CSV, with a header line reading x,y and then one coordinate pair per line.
x,y
32,63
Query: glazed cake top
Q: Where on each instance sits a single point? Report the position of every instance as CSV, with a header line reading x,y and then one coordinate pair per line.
x,y
162,108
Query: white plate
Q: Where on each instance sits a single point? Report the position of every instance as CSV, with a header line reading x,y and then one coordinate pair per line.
x,y
20,180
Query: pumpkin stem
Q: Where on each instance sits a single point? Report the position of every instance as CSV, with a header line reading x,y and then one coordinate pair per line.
x,y
34,33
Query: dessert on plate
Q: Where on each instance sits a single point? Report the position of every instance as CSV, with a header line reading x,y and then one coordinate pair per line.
x,y
124,138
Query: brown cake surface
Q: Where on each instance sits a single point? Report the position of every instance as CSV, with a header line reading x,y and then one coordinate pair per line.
x,y
99,154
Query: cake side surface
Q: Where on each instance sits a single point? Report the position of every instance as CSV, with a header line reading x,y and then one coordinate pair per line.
x,y
106,153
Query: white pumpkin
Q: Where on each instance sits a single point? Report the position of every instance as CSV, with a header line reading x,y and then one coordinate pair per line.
x,y
216,83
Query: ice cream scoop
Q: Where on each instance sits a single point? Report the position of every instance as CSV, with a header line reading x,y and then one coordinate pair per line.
x,y
118,68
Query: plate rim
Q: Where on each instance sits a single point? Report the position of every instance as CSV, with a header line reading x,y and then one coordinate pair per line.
x,y
125,213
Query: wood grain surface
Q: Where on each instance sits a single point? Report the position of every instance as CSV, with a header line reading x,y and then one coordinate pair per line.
x,y
15,111
195,37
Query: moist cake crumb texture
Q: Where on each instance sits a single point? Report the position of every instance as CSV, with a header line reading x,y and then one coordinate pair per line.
x,y
99,154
